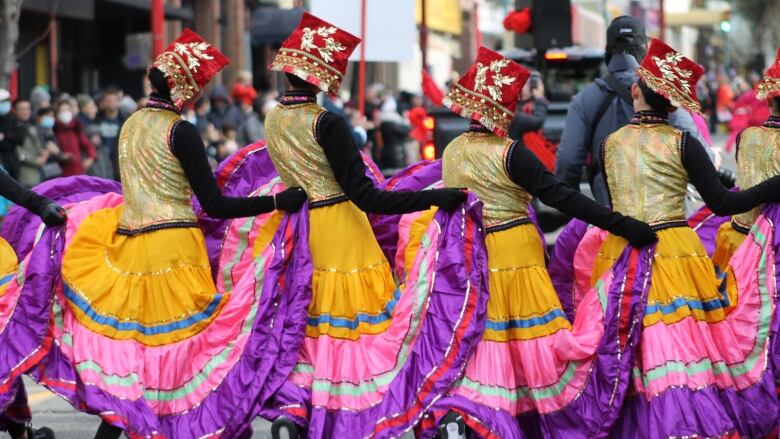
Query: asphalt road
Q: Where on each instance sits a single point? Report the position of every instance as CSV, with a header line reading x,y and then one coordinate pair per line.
x,y
67,423
56,413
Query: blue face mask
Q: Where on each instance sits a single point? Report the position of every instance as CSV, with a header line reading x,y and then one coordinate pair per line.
x,y
5,108
47,122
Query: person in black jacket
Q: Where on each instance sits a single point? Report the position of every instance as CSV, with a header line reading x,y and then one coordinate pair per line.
x,y
11,138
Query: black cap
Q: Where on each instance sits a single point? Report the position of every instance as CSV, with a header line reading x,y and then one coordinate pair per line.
x,y
626,28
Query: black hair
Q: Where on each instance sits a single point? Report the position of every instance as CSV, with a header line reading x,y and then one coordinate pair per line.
x,y
653,99
637,47
159,82
44,111
19,101
775,104
300,83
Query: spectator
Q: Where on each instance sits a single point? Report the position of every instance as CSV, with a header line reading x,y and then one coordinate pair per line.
x,y
9,136
72,142
601,108
45,128
395,132
724,99
358,123
109,122
127,105
533,95
252,129
202,110
230,138
40,98
32,154
87,110
222,111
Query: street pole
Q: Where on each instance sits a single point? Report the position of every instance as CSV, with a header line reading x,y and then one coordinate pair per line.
x,y
661,21
424,33
362,67
158,24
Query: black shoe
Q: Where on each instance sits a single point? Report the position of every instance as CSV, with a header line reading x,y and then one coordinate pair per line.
x,y
452,426
40,433
284,428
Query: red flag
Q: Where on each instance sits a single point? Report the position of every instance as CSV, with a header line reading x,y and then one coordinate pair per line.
x,y
431,90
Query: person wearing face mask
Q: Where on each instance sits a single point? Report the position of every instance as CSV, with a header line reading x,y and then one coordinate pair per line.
x,y
10,138
44,125
72,142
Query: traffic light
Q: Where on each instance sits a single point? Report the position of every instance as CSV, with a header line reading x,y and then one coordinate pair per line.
x,y
725,24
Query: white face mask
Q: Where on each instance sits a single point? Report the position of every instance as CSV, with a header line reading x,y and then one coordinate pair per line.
x,y
65,117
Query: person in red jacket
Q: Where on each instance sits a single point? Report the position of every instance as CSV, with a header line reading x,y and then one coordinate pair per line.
x,y
77,152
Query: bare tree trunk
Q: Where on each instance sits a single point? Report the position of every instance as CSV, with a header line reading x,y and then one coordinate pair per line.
x,y
9,35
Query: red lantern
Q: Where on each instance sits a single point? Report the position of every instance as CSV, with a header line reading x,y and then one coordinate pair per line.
x,y
518,21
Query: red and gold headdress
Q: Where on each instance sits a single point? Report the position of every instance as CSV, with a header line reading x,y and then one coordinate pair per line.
x,y
189,63
317,52
769,87
671,75
489,91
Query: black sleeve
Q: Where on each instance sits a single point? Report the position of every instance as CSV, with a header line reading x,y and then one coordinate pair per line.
x,y
527,171
702,174
18,194
188,147
335,137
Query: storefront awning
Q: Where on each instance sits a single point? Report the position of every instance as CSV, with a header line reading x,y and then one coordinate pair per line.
x,y
272,25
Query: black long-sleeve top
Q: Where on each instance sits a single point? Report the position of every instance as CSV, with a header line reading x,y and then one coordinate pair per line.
x,y
187,145
528,172
335,137
704,177
18,194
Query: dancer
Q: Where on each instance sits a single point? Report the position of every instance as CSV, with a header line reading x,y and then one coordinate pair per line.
x,y
701,368
143,337
528,346
362,327
14,401
758,158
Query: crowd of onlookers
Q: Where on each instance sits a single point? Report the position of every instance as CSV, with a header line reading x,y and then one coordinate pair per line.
x,y
46,135
729,101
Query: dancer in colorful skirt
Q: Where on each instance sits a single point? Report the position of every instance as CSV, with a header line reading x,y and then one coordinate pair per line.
x,y
14,411
758,158
701,369
142,336
375,352
532,364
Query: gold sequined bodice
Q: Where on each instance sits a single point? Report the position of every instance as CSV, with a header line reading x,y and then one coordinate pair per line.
x,y
758,158
476,161
299,159
645,173
155,190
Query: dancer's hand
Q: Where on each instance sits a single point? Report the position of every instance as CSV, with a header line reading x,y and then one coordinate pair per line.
x,y
290,200
448,199
53,214
639,234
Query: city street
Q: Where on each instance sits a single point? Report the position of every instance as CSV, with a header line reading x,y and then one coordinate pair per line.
x,y
51,411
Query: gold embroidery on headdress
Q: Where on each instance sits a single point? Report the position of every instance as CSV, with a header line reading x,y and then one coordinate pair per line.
x,y
671,72
499,80
331,45
194,52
